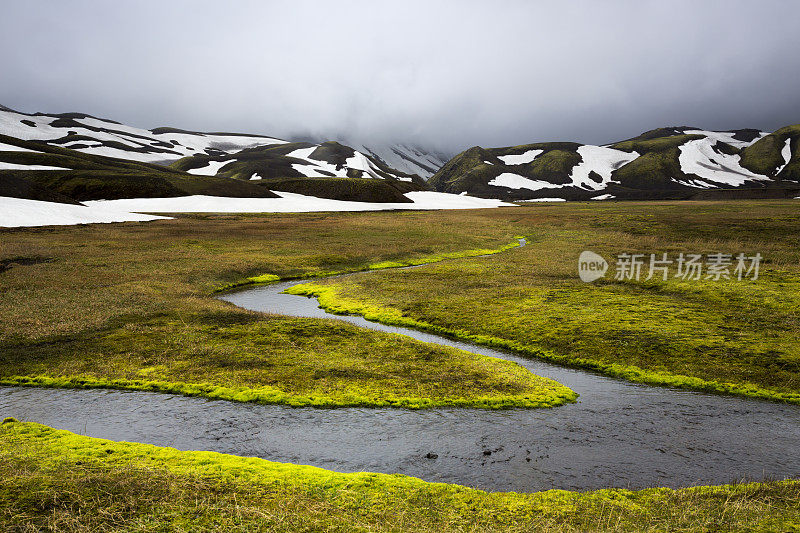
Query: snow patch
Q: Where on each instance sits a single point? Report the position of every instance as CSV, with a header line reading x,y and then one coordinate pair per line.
x,y
786,152
359,162
209,170
725,137
255,177
313,166
699,184
302,153
520,159
307,170
604,197
602,161
698,157
14,166
515,181
18,212
292,203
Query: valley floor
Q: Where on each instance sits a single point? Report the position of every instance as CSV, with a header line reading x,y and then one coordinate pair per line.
x,y
134,302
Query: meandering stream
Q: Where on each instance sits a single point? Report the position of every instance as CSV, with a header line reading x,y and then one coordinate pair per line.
x,y
619,434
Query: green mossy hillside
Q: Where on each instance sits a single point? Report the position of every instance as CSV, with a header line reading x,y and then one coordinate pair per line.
x,y
473,169
654,175
94,177
274,162
765,155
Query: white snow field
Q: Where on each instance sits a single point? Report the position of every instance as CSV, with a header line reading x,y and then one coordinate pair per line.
x,y
699,157
16,212
291,203
15,166
601,160
786,152
515,181
209,170
520,159
725,137
604,197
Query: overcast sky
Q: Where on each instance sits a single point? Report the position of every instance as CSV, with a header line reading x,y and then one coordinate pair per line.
x,y
450,74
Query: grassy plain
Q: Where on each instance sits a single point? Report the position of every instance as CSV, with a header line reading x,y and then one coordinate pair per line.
x,y
728,336
58,481
131,306
132,302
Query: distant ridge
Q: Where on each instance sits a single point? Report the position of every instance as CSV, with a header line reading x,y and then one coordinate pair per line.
x,y
676,162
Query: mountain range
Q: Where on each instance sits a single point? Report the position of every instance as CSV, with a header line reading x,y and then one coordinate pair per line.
x,y
666,163
74,157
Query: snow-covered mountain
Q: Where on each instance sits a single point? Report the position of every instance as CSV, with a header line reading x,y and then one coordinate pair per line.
x,y
411,159
676,162
74,157
77,169
408,157
91,135
196,152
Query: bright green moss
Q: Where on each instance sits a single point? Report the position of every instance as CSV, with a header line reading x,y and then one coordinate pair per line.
x,y
300,362
765,155
541,396
99,484
264,278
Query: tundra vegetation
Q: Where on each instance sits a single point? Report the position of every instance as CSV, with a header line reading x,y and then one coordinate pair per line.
x,y
727,335
131,305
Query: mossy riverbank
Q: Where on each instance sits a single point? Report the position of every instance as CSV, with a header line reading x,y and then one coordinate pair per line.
x,y
61,481
243,357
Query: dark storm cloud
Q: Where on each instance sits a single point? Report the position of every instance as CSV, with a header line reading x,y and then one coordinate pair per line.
x,y
453,74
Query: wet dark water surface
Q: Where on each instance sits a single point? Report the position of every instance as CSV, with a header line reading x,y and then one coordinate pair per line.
x,y
618,435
